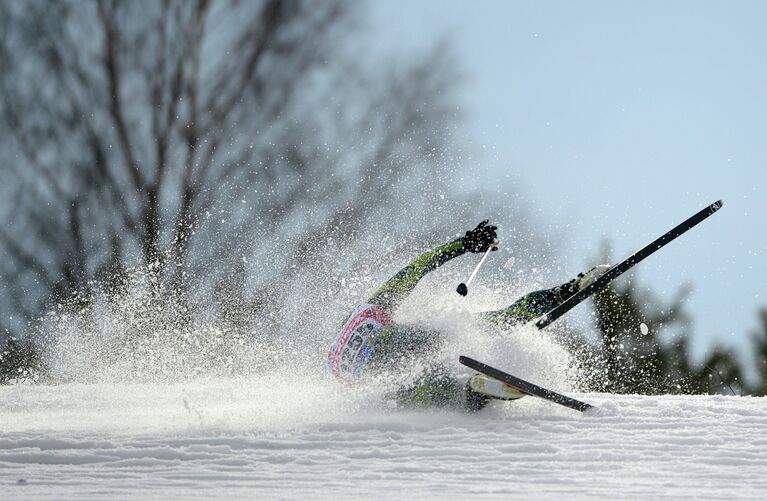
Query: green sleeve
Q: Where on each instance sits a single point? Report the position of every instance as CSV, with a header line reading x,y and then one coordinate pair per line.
x,y
397,288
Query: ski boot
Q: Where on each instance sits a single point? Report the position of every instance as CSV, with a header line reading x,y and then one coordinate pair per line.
x,y
568,289
480,389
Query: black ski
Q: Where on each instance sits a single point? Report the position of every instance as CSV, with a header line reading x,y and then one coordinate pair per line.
x,y
524,386
626,265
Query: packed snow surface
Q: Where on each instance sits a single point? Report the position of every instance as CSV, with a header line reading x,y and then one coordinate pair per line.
x,y
283,438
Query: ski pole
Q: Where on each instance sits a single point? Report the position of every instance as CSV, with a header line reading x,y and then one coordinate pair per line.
x,y
463,288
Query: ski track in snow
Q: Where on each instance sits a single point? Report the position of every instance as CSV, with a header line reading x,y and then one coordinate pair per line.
x,y
265,439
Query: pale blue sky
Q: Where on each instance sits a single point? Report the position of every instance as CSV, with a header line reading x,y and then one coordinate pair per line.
x,y
620,119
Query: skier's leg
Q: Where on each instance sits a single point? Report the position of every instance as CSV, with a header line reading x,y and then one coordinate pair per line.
x,y
435,387
535,304
527,308
481,388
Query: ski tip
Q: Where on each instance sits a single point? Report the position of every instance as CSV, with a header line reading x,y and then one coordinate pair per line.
x,y
717,205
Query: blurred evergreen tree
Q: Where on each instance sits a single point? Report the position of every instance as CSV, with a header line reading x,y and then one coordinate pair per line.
x,y
19,360
759,340
643,346
632,358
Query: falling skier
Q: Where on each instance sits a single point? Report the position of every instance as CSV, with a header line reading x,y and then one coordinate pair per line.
x,y
370,341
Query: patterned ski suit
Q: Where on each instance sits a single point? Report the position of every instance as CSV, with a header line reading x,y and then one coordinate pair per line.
x,y
369,339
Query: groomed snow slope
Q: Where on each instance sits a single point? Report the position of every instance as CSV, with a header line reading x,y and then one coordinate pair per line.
x,y
269,439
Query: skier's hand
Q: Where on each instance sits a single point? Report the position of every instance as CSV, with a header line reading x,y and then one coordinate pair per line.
x,y
481,238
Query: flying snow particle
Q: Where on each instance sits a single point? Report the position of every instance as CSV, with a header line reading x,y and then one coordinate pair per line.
x,y
643,327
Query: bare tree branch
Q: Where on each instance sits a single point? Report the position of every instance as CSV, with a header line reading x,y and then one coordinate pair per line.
x,y
197,133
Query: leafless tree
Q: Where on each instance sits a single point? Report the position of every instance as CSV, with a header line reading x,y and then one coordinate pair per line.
x,y
185,136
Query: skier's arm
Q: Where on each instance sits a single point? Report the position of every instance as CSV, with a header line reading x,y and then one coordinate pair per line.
x,y
397,288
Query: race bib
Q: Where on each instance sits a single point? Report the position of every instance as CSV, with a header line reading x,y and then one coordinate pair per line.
x,y
352,348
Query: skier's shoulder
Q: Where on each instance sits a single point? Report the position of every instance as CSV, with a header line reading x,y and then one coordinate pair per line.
x,y
373,311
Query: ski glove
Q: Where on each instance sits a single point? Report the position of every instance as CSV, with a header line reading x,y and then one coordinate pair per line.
x,y
481,238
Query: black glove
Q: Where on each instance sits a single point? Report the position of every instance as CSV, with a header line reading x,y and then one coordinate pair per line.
x,y
481,238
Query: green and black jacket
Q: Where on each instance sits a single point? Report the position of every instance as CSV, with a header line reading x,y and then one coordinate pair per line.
x,y
397,341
